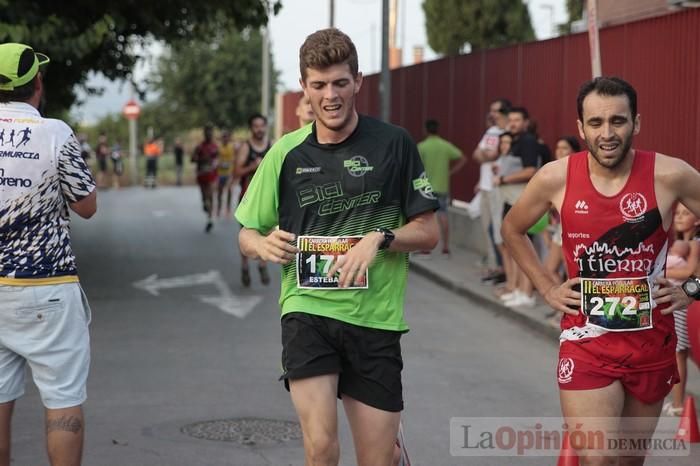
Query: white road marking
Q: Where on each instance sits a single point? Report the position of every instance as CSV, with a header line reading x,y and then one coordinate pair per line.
x,y
226,301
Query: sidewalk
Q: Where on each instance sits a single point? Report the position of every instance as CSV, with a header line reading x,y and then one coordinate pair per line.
x,y
460,273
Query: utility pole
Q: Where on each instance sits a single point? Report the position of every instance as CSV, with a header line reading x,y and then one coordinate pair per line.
x,y
385,79
593,40
265,91
331,19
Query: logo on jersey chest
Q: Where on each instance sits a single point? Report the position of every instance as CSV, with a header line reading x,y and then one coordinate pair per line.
x,y
332,199
357,166
307,170
633,206
581,207
610,259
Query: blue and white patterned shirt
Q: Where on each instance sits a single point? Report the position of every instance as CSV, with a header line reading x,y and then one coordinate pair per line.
x,y
41,172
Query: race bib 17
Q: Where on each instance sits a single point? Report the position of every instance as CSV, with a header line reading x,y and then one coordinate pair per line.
x,y
617,304
316,256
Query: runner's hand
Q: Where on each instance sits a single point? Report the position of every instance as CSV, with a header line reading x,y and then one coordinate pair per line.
x,y
560,297
666,292
275,247
354,263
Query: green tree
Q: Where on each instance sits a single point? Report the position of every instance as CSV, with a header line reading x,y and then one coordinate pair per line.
x,y
574,9
87,35
210,81
451,24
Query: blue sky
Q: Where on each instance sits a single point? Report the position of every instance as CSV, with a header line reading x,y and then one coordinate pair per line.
x,y
360,19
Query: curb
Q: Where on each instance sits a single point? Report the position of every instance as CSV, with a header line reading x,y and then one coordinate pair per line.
x,y
534,324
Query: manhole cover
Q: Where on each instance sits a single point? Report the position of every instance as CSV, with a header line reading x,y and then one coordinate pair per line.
x,y
246,431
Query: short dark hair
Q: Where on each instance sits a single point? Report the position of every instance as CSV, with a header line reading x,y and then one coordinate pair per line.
x,y
505,134
19,94
607,86
505,106
327,47
431,126
521,110
571,141
254,117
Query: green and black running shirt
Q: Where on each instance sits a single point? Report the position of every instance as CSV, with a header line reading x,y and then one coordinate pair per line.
x,y
373,179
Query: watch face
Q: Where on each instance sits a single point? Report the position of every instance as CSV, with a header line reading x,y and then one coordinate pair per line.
x,y
691,287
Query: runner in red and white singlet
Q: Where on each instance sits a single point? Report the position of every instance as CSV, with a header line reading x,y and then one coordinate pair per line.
x,y
616,361
617,244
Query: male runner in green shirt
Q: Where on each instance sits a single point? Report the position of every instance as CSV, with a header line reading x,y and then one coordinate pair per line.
x,y
340,203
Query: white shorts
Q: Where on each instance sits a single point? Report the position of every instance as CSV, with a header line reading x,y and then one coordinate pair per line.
x,y
46,327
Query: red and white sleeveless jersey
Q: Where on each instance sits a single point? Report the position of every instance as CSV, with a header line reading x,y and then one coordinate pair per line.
x,y
619,243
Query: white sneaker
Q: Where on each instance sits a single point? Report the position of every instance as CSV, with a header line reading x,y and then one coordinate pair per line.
x,y
522,300
528,301
510,295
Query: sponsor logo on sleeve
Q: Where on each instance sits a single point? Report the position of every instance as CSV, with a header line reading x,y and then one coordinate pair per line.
x,y
423,186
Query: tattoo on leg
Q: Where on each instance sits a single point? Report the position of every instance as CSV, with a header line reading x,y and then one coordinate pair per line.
x,y
67,424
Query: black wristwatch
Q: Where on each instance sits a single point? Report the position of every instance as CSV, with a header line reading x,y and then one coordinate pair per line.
x,y
692,287
388,237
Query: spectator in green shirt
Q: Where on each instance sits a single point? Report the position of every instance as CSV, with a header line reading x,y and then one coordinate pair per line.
x,y
437,155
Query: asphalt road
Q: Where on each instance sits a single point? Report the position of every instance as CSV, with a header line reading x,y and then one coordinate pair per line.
x,y
177,341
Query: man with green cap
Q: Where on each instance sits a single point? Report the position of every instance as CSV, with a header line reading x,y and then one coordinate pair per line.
x,y
44,315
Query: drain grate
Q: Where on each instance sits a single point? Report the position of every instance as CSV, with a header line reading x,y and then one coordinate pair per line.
x,y
245,431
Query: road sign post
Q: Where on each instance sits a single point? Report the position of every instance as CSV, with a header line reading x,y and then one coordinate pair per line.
x,y
131,112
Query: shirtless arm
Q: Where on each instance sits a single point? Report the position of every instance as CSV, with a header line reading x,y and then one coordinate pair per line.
x,y
544,190
241,157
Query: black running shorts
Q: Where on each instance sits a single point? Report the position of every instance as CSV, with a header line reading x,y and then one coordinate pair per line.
x,y
367,360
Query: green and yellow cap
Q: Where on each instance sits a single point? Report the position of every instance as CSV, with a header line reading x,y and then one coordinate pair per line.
x,y
19,64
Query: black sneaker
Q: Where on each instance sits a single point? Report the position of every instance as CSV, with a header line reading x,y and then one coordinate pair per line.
x,y
209,226
245,277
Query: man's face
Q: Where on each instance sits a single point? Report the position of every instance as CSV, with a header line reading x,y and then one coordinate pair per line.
x,y
304,111
608,128
332,92
258,129
495,111
517,123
